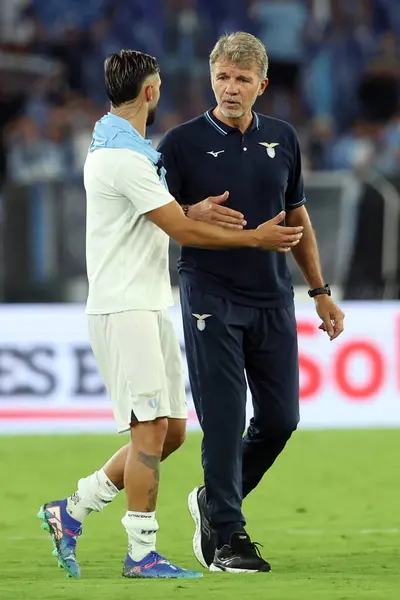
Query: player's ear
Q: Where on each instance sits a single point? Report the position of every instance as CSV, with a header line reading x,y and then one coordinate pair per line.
x,y
148,90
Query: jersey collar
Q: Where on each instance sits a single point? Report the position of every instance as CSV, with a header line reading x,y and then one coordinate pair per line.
x,y
224,129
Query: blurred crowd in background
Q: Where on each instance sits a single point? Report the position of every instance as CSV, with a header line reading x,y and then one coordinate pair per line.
x,y
334,73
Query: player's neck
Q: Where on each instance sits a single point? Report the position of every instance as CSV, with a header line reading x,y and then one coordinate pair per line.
x,y
136,118
242,123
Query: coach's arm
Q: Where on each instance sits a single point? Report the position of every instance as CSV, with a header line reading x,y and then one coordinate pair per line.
x,y
307,257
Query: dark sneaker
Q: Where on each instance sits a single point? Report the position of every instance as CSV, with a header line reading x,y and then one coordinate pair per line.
x,y
241,556
204,542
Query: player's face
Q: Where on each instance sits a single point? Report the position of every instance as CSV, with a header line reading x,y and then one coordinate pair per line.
x,y
153,95
236,88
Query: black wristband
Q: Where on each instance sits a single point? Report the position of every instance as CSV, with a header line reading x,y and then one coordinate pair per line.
x,y
326,290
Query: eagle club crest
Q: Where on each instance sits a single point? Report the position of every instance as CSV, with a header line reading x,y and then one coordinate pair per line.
x,y
270,148
201,321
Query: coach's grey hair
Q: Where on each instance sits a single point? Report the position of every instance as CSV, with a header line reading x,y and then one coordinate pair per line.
x,y
241,48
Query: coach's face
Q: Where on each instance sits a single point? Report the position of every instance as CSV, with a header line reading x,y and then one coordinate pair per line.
x,y
236,87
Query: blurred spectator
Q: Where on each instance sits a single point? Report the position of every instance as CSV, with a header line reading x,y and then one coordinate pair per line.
x,y
356,148
34,157
280,25
379,86
16,26
187,43
388,159
319,143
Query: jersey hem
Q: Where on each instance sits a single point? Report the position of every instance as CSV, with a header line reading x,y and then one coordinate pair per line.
x,y
281,301
111,311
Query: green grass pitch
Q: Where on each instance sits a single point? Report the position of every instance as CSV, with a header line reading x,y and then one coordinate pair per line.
x,y
327,514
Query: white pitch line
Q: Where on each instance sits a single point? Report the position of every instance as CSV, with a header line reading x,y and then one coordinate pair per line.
x,y
330,532
374,531
305,532
22,538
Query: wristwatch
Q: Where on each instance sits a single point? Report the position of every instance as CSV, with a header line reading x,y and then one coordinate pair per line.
x,y
320,291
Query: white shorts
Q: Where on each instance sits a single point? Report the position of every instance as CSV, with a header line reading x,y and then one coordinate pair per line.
x,y
140,361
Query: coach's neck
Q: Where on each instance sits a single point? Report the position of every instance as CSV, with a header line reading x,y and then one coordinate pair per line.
x,y
133,112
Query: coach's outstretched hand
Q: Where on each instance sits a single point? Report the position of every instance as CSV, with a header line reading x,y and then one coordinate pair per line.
x,y
211,211
273,236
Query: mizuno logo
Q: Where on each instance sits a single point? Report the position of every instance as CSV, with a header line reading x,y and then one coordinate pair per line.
x,y
215,153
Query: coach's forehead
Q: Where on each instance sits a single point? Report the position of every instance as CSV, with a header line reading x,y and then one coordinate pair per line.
x,y
226,65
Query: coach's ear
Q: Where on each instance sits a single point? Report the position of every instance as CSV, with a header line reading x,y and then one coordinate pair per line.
x,y
263,86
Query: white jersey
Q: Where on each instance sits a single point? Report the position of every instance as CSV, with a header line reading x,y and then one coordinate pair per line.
x,y
126,254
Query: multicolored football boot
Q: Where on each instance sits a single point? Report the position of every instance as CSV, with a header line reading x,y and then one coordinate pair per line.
x,y
155,566
64,531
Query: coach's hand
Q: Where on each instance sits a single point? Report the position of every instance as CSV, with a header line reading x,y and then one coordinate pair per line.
x,y
273,236
211,211
332,316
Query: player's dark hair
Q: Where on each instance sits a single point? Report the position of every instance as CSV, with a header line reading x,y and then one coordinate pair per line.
x,y
124,74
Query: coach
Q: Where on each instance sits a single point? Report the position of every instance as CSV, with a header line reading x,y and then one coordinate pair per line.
x,y
237,305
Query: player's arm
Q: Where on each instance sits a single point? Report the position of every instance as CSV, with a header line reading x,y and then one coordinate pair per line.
x,y
210,210
137,180
186,232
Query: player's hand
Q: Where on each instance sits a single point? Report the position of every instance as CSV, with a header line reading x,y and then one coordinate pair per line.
x,y
332,316
273,236
211,211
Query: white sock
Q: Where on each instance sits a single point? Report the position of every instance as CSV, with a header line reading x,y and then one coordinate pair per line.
x,y
142,532
93,494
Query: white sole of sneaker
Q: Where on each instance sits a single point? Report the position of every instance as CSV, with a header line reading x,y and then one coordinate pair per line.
x,y
214,569
195,514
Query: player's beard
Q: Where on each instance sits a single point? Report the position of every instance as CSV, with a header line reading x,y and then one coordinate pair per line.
x,y
151,117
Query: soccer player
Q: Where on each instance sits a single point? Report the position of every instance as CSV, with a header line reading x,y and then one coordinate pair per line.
x,y
130,215
237,306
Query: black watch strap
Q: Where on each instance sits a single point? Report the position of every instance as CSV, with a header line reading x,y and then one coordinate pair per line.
x,y
320,291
